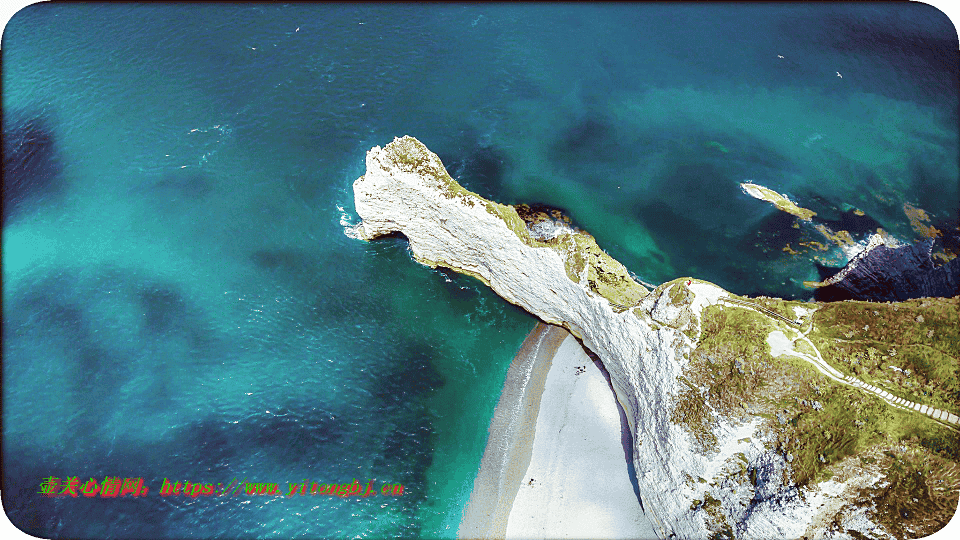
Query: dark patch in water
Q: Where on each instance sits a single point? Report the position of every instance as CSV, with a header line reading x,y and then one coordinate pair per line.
x,y
591,138
669,227
519,87
293,435
288,263
696,175
169,316
745,263
826,272
31,161
61,327
854,224
916,39
411,377
769,236
211,450
831,213
212,446
25,467
587,135
333,286
297,436
101,327
949,238
407,454
675,229
186,183
407,449
59,318
163,308
932,185
479,168
458,288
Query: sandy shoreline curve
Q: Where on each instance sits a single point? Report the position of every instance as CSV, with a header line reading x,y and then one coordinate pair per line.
x,y
511,435
555,464
578,482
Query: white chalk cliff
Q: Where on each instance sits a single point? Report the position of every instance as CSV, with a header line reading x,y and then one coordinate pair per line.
x,y
643,337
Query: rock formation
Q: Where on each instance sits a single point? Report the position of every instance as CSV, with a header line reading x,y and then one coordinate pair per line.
x,y
707,379
882,269
889,274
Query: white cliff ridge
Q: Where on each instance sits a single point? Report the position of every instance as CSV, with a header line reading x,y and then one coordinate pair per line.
x,y
644,339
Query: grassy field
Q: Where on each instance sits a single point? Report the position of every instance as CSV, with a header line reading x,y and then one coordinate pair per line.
x,y
823,427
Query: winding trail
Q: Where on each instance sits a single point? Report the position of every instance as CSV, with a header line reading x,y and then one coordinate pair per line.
x,y
781,344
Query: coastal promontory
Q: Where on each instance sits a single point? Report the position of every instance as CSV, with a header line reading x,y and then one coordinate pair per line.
x,y
749,417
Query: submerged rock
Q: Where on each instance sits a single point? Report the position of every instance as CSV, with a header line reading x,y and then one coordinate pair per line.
x,y
880,269
780,201
31,163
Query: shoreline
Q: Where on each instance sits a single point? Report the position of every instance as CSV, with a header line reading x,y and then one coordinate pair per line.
x,y
557,460
578,482
511,436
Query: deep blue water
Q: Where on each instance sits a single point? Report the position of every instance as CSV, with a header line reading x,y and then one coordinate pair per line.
x,y
180,301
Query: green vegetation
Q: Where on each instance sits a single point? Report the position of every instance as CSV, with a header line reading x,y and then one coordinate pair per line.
x,y
731,363
605,276
414,157
780,201
718,525
911,349
830,423
680,295
816,423
921,496
820,423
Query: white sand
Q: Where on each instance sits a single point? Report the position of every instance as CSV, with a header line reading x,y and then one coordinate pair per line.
x,y
511,434
577,485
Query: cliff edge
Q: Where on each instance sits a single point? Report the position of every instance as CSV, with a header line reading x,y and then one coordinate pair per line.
x,y
753,418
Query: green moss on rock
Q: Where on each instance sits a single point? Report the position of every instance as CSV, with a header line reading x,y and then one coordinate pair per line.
x,y
605,276
731,365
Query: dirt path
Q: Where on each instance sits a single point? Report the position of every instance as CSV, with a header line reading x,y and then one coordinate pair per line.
x,y
781,344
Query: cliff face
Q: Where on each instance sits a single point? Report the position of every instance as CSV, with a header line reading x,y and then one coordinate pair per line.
x,y
712,456
884,274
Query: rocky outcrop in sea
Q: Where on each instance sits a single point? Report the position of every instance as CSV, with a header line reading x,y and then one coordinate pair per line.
x,y
750,417
891,274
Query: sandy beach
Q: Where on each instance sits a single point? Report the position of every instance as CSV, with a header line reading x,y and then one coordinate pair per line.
x,y
511,436
554,466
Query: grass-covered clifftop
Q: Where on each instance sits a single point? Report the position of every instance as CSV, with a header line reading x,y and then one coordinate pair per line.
x,y
909,348
777,397
826,429
583,258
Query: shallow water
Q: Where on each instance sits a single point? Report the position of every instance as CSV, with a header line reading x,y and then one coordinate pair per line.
x,y
180,300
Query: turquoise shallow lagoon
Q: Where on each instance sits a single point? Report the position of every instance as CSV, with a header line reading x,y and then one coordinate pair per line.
x,y
180,301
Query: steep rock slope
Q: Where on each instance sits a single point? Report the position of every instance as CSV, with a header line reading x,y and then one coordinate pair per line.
x,y
713,459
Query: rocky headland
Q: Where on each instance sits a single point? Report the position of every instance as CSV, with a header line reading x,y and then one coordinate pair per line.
x,y
750,417
880,268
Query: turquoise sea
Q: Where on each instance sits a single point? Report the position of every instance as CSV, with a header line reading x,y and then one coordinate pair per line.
x,y
180,301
